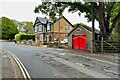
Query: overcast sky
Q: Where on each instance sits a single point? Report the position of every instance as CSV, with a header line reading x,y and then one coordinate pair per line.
x,y
23,10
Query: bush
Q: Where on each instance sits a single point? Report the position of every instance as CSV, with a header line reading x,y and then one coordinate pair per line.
x,y
20,37
45,43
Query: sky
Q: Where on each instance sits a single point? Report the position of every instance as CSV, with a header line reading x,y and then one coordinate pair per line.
x,y
23,10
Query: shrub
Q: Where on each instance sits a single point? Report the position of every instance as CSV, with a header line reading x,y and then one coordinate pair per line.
x,y
19,37
45,43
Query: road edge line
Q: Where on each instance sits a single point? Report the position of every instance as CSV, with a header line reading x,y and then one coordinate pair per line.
x,y
21,66
24,69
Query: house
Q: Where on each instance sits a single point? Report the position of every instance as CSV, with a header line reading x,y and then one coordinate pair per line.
x,y
81,37
48,31
42,29
63,26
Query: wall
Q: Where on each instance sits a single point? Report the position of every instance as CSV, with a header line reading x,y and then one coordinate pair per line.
x,y
55,28
63,24
83,31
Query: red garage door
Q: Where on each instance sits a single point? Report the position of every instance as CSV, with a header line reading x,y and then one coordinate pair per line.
x,y
79,41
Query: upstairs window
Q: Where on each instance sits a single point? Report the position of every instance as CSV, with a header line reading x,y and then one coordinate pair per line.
x,y
78,30
36,29
40,28
67,28
48,27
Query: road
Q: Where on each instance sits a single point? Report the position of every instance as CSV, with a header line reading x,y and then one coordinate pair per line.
x,y
53,63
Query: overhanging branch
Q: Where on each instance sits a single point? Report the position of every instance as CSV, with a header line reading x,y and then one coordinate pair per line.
x,y
115,20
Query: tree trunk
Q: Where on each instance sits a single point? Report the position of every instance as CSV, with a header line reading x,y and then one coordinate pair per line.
x,y
104,22
101,18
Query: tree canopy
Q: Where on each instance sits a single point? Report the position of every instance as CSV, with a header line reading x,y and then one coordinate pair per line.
x,y
106,13
7,28
24,27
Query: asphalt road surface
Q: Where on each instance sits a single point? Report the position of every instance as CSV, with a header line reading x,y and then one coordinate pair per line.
x,y
53,63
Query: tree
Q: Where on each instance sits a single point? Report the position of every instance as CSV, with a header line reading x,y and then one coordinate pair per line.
x,y
7,28
24,26
28,26
51,9
106,13
116,32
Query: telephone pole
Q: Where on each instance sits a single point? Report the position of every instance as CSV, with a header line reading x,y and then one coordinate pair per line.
x,y
59,30
93,29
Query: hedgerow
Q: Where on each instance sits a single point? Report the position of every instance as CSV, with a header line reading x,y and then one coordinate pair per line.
x,y
20,37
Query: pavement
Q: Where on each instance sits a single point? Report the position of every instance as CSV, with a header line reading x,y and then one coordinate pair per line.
x,y
8,67
64,63
109,57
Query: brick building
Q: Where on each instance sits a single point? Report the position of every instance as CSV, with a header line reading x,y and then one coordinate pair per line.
x,y
48,31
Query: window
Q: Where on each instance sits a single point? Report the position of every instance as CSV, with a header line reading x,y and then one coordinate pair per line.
x,y
35,28
54,36
67,28
48,27
40,27
66,36
45,38
41,37
78,30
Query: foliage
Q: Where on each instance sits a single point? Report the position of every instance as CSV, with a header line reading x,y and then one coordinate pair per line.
x,y
80,24
24,27
28,26
7,28
116,32
45,43
19,37
51,9
106,13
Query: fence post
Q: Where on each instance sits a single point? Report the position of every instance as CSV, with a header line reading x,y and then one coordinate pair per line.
x,y
102,44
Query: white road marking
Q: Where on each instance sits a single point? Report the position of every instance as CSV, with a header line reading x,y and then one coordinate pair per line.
x,y
21,66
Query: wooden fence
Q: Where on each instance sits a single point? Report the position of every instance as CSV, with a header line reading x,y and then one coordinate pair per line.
x,y
107,46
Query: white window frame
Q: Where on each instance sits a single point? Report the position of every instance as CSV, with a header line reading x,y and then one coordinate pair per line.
x,y
78,30
40,28
67,28
41,37
48,27
36,29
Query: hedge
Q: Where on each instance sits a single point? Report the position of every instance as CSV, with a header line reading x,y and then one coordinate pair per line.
x,y
19,37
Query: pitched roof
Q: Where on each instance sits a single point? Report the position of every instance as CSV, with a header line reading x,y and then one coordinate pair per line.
x,y
44,20
85,27
65,19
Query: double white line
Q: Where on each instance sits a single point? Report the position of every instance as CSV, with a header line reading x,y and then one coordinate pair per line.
x,y
24,71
